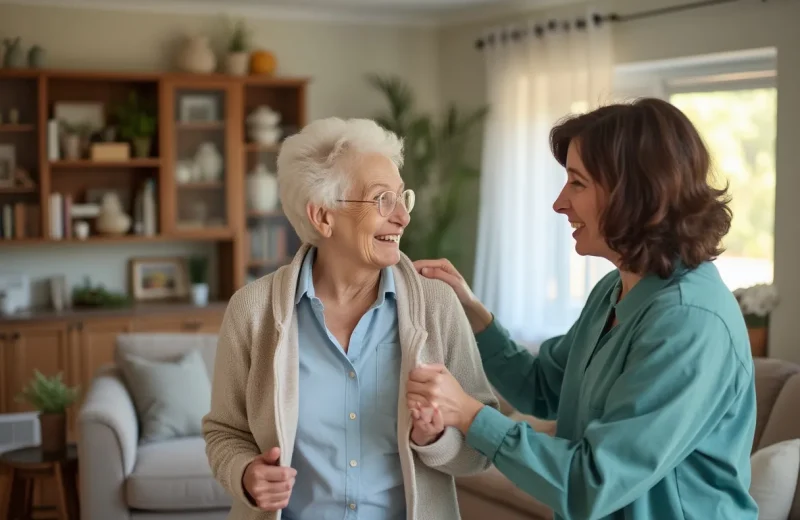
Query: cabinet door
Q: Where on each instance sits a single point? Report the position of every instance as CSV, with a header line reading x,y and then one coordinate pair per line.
x,y
34,346
98,340
203,157
205,322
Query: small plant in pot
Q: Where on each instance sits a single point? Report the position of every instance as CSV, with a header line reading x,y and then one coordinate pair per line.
x,y
51,397
198,277
137,124
237,60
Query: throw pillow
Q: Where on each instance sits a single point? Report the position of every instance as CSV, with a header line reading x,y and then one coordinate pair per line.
x,y
171,398
773,480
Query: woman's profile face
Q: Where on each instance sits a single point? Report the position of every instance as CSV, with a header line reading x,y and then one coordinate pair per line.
x,y
359,228
582,201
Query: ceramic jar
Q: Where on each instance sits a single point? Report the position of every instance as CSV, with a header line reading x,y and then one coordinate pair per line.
x,y
237,63
262,190
112,220
209,162
197,56
262,126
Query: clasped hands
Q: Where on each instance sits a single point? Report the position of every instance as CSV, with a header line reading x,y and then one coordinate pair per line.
x,y
436,400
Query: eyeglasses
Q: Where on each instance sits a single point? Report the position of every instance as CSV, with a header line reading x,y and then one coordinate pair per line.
x,y
387,201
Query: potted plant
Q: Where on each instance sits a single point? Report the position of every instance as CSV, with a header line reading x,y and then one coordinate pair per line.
x,y
238,58
51,397
137,124
757,303
198,277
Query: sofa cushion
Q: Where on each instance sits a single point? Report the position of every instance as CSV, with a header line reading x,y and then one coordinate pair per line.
x,y
774,479
493,485
168,346
174,475
771,374
171,397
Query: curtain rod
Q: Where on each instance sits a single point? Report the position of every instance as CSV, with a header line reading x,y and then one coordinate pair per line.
x,y
596,19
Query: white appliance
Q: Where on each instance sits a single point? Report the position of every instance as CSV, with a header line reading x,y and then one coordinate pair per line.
x,y
19,430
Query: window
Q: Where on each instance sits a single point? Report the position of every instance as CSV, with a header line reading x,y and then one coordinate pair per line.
x,y
732,100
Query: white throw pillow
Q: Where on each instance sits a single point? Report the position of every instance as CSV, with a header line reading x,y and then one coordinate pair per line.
x,y
774,471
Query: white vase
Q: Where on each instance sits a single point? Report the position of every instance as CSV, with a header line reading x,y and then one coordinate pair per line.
x,y
262,125
196,56
209,162
200,294
262,189
111,220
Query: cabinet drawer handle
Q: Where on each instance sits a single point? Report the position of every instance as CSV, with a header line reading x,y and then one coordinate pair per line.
x,y
14,336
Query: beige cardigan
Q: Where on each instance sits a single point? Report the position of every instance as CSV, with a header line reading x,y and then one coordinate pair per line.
x,y
254,402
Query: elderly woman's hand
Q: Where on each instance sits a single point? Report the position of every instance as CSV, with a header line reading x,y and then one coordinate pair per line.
x,y
427,424
435,386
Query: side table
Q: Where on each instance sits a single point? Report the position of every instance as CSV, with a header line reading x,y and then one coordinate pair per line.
x,y
30,464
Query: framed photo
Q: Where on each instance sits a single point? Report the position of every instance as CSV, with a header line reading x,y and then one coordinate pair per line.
x,y
197,108
163,278
8,165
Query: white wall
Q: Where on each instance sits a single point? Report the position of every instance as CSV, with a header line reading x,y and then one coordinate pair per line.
x,y
335,55
746,24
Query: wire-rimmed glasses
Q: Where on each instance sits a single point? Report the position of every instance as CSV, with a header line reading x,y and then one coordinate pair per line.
x,y
387,201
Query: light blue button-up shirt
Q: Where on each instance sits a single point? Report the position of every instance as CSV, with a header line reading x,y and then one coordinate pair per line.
x,y
345,454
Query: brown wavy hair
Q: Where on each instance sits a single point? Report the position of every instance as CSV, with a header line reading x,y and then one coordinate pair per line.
x,y
655,168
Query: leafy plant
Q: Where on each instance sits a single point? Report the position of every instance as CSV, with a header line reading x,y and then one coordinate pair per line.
x,y
87,295
239,38
48,394
198,269
135,118
435,167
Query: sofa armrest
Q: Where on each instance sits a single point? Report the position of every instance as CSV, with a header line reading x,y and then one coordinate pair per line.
x,y
108,436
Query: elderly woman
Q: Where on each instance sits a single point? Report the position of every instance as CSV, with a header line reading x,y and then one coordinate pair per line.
x,y
308,415
653,386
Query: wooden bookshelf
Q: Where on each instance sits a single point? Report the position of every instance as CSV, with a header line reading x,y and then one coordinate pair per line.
x,y
191,112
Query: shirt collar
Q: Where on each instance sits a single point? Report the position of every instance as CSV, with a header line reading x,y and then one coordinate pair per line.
x,y
305,281
641,292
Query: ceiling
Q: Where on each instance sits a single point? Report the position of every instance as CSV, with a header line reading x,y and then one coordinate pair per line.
x,y
424,12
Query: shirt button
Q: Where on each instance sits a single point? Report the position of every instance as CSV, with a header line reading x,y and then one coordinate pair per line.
x,y
352,415
352,374
353,463
352,506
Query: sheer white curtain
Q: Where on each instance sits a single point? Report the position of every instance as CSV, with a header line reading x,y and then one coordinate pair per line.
x,y
526,270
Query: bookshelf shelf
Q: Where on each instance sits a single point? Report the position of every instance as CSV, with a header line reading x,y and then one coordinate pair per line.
x,y
69,190
17,128
88,163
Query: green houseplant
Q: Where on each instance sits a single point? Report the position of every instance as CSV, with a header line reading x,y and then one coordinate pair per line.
x,y
238,56
198,277
435,167
137,124
51,397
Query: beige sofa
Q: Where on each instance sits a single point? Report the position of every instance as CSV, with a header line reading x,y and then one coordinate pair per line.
x,y
491,495
123,480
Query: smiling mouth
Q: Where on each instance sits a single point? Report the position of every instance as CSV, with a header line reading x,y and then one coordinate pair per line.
x,y
389,238
577,225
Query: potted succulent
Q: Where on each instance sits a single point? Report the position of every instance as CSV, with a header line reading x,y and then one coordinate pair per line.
x,y
137,124
757,303
198,277
51,397
237,60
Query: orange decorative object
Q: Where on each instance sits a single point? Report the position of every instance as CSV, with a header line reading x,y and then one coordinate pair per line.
x,y
262,62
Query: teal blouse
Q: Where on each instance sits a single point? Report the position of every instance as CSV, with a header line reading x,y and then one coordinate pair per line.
x,y
655,417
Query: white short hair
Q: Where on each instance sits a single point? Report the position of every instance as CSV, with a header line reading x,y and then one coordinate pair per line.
x,y
310,166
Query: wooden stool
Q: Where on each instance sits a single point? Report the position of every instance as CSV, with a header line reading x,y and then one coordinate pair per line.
x,y
29,464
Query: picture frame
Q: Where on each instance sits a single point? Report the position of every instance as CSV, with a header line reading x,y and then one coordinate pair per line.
x,y
159,278
198,108
8,166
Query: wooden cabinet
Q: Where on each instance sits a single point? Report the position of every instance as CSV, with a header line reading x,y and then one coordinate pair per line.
x,y
79,345
28,347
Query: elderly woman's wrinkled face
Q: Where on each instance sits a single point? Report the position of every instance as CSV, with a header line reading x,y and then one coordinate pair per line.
x,y
359,226
582,201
